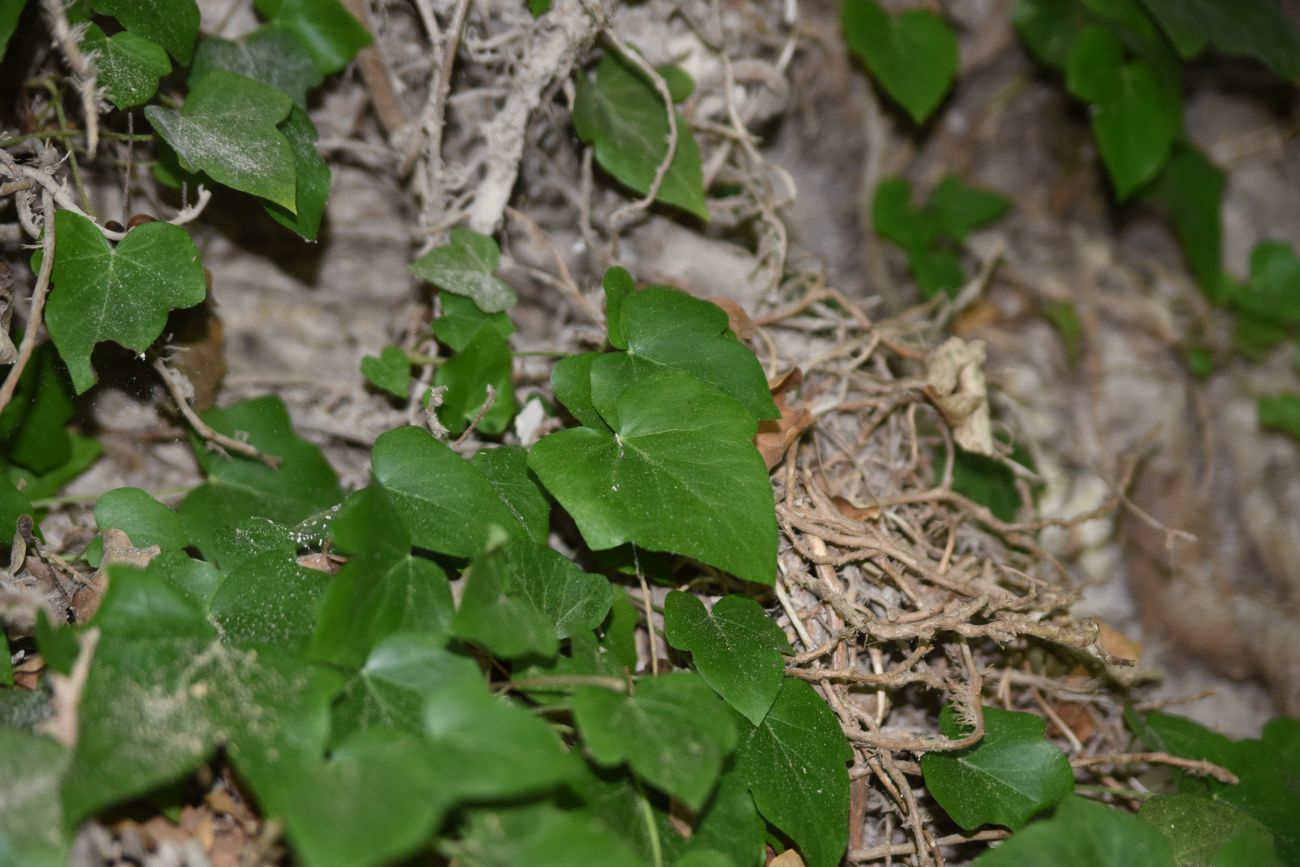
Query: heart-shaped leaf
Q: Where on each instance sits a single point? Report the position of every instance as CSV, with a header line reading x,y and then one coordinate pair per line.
x,y
1135,126
1083,834
485,360
331,35
173,24
464,266
913,55
269,55
390,370
128,66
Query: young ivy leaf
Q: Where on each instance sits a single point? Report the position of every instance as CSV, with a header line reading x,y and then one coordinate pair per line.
x,y
913,55
1083,834
173,24
268,55
960,209
1013,773
485,360
121,294
311,174
31,823
623,117
793,763
679,473
390,370
228,129
736,648
462,319
128,66
464,266
331,35
673,732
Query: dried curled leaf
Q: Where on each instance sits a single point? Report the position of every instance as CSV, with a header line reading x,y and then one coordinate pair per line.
x,y
955,372
774,437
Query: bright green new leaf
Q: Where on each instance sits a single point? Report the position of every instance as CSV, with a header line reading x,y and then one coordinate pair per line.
x,y
445,502
1280,412
623,117
173,24
10,12
461,320
331,35
913,54
1012,774
506,468
398,676
1193,188
793,763
121,294
673,732
960,209
1255,28
33,430
665,329
1135,127
1092,70
1049,28
680,473
485,361
31,824
736,648
127,66
145,521
1202,832
539,836
312,178
227,129
268,55
390,370
464,266
1273,291
1083,834
238,487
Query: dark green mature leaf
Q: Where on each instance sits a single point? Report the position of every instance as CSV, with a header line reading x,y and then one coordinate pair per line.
x,y
620,629
736,648
10,12
173,24
1135,127
461,320
227,129
32,426
127,66
1193,188
913,54
506,468
623,117
121,294
1013,773
13,505
1273,291
331,35
895,218
85,451
673,732
31,823
464,266
1256,28
1092,70
445,502
793,763
539,836
680,473
730,823
390,370
1083,834
239,487
311,174
639,817
268,55
1280,412
984,480
1049,28
571,379
485,361
665,329
1200,830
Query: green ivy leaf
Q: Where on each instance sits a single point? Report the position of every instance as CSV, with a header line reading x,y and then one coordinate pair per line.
x,y
1201,831
173,24
729,823
13,505
913,55
1280,412
464,266
6,665
666,329
1092,70
1135,127
539,836
389,371
33,430
618,285
268,55
31,823
680,473
238,487
10,12
506,468
485,360
1193,188
331,35
623,117
571,380
1083,834
128,66
793,763
145,521
1254,28
445,502
311,174
228,129
1049,28
121,294
461,320
985,481
85,451
960,209
620,629
673,732
1013,773
1273,291
621,804
736,648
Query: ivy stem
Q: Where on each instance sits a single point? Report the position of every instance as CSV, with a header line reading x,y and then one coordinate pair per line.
x,y
652,830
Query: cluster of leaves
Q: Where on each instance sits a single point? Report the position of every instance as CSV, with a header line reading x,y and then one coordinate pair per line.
x,y
1014,774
